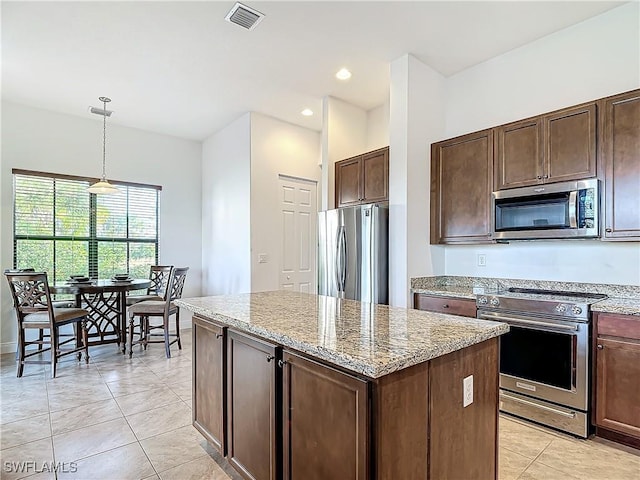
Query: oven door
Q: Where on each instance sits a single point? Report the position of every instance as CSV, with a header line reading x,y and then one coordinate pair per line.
x,y
545,358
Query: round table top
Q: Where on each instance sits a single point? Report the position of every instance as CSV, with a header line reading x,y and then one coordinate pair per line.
x,y
96,286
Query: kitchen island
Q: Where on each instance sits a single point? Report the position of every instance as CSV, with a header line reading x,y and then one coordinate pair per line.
x,y
297,386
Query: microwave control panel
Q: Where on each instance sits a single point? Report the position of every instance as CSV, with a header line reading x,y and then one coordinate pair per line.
x,y
586,208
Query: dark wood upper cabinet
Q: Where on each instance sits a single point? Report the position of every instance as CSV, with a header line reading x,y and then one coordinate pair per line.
x,y
362,179
618,376
251,407
325,422
461,186
209,382
620,159
559,146
518,153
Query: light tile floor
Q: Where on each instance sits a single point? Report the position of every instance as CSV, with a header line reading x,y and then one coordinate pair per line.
x,y
119,418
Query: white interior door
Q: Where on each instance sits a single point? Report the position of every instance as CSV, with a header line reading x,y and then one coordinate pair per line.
x,y
298,226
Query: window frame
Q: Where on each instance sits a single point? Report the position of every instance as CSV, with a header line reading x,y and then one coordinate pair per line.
x,y
93,239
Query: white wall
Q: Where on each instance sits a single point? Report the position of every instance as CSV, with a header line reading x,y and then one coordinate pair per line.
x,y
416,119
226,193
378,127
594,59
35,139
344,134
277,148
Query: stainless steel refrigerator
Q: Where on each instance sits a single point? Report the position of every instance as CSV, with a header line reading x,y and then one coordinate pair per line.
x,y
353,255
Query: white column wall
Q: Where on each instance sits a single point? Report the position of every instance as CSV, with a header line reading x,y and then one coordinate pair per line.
x,y
226,216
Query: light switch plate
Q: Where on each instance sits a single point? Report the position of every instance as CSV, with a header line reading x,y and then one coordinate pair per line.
x,y
467,391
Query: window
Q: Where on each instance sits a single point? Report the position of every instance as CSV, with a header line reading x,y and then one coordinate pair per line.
x,y
62,229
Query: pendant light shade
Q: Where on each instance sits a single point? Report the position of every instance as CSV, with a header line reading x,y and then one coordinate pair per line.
x,y
102,186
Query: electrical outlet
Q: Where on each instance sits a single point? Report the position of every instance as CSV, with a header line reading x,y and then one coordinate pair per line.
x,y
467,391
262,258
482,260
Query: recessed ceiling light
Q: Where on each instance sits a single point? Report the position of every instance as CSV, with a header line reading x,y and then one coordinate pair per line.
x,y
306,112
343,74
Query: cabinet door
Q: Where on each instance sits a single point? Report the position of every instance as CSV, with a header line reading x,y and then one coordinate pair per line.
x,y
251,407
375,176
461,185
519,154
452,306
618,386
570,144
209,382
348,182
325,422
620,154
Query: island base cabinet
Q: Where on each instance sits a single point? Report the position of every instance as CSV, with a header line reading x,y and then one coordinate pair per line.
x,y
325,422
209,361
463,440
251,407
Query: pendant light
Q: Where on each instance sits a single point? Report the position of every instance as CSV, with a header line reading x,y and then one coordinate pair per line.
x,y
103,186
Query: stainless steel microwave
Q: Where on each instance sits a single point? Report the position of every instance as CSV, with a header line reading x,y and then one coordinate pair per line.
x,y
556,210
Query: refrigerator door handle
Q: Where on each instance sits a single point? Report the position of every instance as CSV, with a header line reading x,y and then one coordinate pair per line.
x,y
341,261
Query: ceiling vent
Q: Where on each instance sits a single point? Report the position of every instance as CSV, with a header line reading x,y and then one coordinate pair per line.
x,y
244,16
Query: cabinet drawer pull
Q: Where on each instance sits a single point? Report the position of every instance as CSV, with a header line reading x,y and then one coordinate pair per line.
x,y
445,306
270,357
218,335
608,230
600,347
282,363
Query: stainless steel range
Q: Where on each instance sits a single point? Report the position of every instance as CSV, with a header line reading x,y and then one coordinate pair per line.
x,y
545,358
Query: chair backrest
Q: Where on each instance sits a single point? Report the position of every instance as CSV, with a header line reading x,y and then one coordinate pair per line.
x,y
178,277
30,292
159,276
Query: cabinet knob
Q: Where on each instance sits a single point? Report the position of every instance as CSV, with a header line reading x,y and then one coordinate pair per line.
x,y
608,230
282,363
545,176
600,347
270,357
445,306
218,335
539,177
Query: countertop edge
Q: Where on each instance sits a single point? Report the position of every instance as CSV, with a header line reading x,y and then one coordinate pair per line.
x,y
345,361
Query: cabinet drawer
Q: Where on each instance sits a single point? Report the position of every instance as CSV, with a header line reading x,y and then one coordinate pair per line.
x,y
618,325
450,305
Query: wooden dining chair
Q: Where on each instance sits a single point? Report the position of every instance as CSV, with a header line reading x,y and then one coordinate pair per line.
x,y
35,310
159,276
164,309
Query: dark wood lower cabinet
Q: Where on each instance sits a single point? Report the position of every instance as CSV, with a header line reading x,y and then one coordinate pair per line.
x,y
252,423
617,385
325,422
297,418
209,382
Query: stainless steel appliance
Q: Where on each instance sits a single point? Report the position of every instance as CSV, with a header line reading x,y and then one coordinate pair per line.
x,y
353,253
545,357
556,210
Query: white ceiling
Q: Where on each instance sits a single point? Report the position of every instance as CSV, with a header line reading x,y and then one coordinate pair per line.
x,y
178,68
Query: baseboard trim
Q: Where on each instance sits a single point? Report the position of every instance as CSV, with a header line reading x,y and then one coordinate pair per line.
x,y
8,347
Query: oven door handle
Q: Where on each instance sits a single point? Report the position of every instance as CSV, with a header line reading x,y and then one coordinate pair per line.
x,y
528,323
536,405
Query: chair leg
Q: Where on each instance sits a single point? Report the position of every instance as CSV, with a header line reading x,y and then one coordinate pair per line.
x,y
20,352
77,334
40,338
131,321
144,325
54,351
178,328
85,340
165,325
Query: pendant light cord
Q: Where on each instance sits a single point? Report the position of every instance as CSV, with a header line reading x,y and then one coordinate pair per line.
x,y
104,139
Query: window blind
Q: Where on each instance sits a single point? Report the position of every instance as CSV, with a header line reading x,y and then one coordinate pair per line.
x,y
62,229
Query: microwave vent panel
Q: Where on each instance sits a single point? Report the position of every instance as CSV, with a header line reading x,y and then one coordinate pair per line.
x,y
244,16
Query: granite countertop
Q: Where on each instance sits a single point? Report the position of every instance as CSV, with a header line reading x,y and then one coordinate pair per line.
x,y
625,306
448,291
373,340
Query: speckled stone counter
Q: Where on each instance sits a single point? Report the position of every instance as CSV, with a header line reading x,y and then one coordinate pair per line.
x,y
623,299
373,340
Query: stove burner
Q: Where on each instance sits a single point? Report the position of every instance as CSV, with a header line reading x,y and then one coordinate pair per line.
x,y
537,291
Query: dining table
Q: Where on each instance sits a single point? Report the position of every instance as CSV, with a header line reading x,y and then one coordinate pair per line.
x,y
106,302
